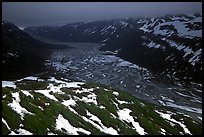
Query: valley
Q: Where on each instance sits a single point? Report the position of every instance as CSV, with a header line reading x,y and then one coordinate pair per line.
x,y
84,62
133,75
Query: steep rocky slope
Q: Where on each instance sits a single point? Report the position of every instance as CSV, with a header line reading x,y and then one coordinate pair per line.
x,y
21,54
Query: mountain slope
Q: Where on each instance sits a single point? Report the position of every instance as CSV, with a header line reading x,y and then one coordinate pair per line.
x,y
21,54
46,105
169,46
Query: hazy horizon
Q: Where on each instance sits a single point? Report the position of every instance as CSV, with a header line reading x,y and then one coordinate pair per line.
x,y
25,14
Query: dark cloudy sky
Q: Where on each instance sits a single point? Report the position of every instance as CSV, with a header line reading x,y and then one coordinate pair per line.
x,y
55,13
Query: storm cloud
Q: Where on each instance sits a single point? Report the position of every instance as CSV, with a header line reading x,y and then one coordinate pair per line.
x,y
25,14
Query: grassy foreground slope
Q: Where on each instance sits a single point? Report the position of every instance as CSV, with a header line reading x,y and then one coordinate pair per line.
x,y
50,106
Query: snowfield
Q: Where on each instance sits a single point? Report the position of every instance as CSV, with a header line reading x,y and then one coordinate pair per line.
x,y
8,84
180,26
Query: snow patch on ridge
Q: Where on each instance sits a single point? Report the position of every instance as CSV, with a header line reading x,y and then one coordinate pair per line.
x,y
124,115
15,105
62,123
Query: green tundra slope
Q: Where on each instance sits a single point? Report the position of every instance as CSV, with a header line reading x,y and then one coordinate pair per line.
x,y
46,106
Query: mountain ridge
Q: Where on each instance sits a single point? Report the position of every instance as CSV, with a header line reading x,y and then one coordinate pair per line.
x,y
155,43
48,105
21,54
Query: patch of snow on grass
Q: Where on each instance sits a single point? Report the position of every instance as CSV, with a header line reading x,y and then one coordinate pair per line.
x,y
100,125
41,80
168,117
40,107
15,105
69,102
47,104
115,93
113,115
61,122
115,104
163,131
91,98
56,89
74,84
124,115
50,133
101,107
31,78
93,117
84,90
23,132
142,104
122,102
8,84
28,78
47,94
4,96
27,93
4,121
67,84
12,133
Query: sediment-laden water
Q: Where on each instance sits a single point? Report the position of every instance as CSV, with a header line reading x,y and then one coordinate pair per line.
x,y
84,62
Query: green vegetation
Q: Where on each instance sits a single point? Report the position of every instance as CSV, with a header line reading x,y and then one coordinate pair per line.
x,y
11,117
7,92
67,91
5,130
31,85
190,124
43,119
107,120
106,99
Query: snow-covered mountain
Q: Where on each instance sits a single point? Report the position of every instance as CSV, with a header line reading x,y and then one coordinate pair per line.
x,y
21,54
170,46
182,32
